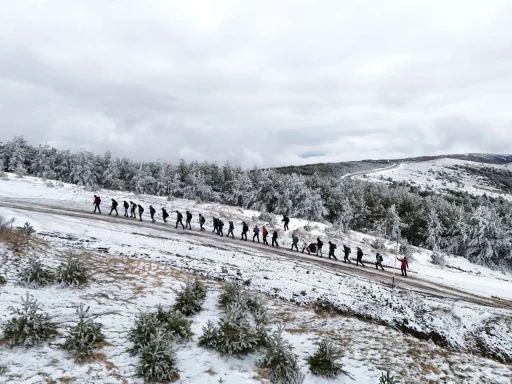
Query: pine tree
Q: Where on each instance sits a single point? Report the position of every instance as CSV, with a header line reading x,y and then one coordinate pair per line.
x,y
146,325
158,359
280,363
35,274
387,379
323,362
28,327
110,177
82,338
72,272
43,164
435,229
187,300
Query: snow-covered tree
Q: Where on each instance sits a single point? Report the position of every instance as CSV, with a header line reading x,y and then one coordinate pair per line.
x,y
434,231
143,180
394,224
43,164
110,177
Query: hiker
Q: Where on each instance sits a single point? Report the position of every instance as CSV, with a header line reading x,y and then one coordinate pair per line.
x,y
179,219
378,261
96,203
359,257
265,234
286,220
274,239
404,266
311,248
113,208
295,241
231,229
319,245
165,215
220,225
141,211
256,234
215,225
245,229
126,206
152,212
202,220
346,251
132,212
332,248
188,220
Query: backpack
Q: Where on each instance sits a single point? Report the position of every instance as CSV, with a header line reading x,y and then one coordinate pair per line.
x,y
349,250
202,220
380,258
265,232
334,246
99,200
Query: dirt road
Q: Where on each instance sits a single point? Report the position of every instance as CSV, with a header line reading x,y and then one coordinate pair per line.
x,y
414,282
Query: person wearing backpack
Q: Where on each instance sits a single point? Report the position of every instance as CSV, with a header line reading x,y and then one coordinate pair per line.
x,y
404,266
310,248
220,225
256,233
165,215
216,225
201,222
113,208
231,229
295,241
132,211
265,234
188,220
332,249
378,261
141,211
346,251
274,239
359,257
152,212
96,203
319,245
126,206
286,220
245,229
179,219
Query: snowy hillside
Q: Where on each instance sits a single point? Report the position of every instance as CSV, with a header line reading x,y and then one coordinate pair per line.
x,y
442,175
463,308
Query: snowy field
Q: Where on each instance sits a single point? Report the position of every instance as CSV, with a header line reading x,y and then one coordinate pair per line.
x,y
465,309
439,175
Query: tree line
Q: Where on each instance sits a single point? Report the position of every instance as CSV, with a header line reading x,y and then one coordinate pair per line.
x,y
475,227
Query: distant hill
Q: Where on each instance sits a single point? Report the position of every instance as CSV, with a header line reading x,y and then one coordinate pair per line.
x,y
343,168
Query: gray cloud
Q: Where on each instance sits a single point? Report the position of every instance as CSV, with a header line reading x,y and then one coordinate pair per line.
x,y
257,83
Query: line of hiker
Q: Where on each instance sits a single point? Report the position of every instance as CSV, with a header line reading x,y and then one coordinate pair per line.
x,y
218,228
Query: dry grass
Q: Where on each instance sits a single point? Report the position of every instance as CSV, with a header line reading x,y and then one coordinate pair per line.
x,y
211,372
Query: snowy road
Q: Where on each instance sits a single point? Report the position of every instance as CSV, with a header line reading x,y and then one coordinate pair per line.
x,y
414,282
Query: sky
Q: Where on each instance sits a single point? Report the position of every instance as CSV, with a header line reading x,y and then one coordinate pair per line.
x,y
258,83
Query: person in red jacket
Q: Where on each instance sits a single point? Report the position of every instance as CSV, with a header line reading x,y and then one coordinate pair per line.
x,y
265,234
404,265
96,203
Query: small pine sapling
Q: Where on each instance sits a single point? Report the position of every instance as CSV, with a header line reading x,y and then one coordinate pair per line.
x,y
261,320
280,363
3,281
28,327
173,322
158,359
210,336
323,362
230,291
145,326
35,274
28,229
187,301
83,337
387,379
72,272
199,289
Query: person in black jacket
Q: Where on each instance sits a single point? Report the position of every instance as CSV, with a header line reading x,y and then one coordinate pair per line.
x,y
231,229
286,220
360,257
126,206
113,208
378,261
152,212
220,225
346,251
216,225
202,220
319,245
188,220
165,215
179,219
141,211
245,229
332,248
274,239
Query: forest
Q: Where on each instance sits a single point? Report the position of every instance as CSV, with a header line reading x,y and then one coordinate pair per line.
x,y
474,227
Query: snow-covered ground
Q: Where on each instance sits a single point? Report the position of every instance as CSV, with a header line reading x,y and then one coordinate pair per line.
x,y
439,175
144,261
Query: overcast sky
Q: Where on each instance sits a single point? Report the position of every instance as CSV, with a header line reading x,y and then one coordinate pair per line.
x,y
258,82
